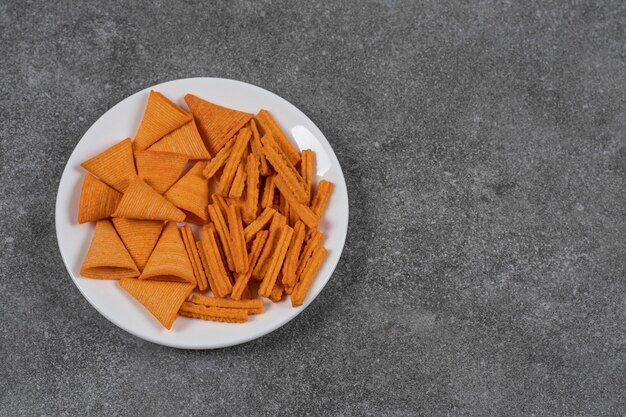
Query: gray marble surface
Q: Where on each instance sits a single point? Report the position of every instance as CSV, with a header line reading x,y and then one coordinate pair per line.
x,y
484,147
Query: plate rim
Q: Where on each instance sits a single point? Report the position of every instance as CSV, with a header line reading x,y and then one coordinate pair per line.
x,y
174,343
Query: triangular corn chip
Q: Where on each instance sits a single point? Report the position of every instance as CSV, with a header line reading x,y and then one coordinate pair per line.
x,y
162,299
140,201
139,237
160,118
97,200
169,260
115,166
185,140
191,193
107,257
216,124
160,170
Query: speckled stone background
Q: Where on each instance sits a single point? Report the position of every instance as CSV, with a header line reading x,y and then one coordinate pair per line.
x,y
484,147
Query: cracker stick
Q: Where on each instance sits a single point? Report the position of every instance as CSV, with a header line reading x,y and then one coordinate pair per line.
x,y
291,260
228,315
276,261
251,202
303,212
255,144
220,159
293,216
269,125
312,243
196,263
267,199
313,265
221,203
259,223
239,181
238,243
324,190
306,170
277,292
222,231
285,168
278,221
241,284
223,287
205,264
254,306
282,205
230,169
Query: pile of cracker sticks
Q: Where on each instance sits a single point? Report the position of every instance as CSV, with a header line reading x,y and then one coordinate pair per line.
x,y
235,175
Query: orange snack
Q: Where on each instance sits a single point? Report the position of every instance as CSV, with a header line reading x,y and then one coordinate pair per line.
x,y
254,306
241,283
324,190
277,292
219,160
160,170
313,242
97,200
293,254
255,144
191,194
230,169
306,171
216,124
221,285
140,201
221,203
107,257
308,275
160,118
238,243
215,213
282,204
163,299
194,258
267,199
278,221
303,212
275,263
169,260
251,202
259,223
139,237
239,181
284,168
184,141
115,166
202,251
228,315
270,126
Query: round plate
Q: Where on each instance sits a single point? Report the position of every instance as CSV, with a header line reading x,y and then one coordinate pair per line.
x,y
122,121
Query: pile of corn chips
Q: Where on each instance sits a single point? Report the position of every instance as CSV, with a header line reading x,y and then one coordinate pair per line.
x,y
234,175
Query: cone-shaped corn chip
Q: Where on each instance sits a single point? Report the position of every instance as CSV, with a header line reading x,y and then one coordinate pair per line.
x,y
139,237
160,118
185,141
115,166
216,124
107,257
160,170
140,201
169,260
162,299
97,200
191,193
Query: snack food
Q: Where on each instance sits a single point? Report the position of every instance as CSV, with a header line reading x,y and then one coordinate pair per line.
x,y
239,179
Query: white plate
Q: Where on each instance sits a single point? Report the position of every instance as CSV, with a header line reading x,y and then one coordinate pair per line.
x,y
122,121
